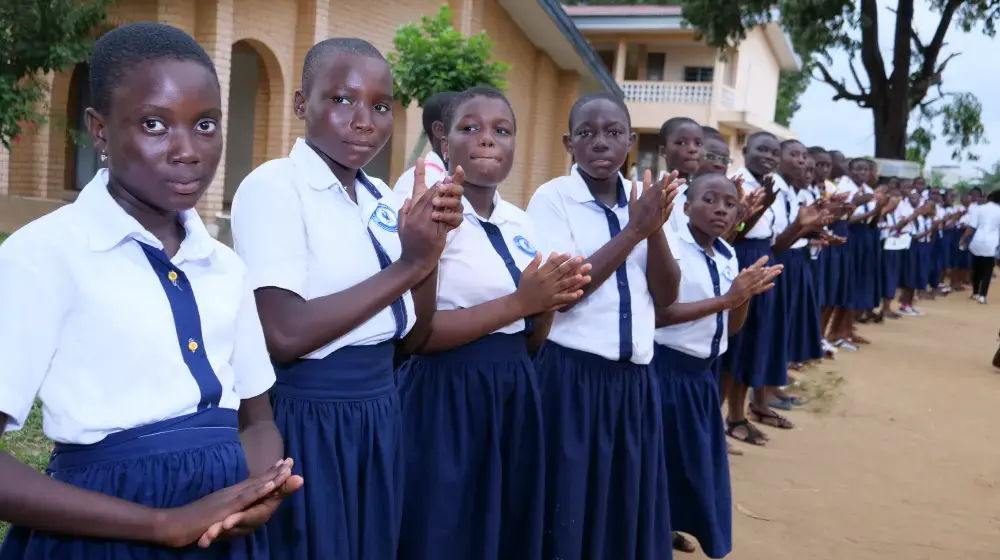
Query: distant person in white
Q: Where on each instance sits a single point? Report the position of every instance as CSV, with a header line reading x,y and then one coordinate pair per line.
x,y
435,168
983,227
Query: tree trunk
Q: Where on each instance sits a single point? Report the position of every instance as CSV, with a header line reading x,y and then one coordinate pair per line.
x,y
890,131
417,151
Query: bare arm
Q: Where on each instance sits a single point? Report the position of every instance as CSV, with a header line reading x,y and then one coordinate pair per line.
x,y
261,440
663,275
294,327
737,317
424,305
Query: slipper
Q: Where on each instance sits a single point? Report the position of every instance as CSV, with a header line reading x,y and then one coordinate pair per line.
x,y
794,401
780,404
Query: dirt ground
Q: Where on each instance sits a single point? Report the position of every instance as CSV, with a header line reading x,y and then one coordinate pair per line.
x,y
899,457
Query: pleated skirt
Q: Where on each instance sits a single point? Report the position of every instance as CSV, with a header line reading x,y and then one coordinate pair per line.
x,y
892,261
864,271
162,465
695,439
475,456
341,422
819,266
747,359
798,305
839,270
606,477
912,274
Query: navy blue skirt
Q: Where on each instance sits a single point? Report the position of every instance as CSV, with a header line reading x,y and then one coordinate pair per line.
x,y
697,463
474,453
749,350
818,267
961,259
606,484
875,242
936,275
864,270
839,268
912,275
926,263
947,249
798,306
162,465
890,277
341,421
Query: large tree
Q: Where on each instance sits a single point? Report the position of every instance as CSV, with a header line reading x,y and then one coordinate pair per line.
x,y
904,82
38,37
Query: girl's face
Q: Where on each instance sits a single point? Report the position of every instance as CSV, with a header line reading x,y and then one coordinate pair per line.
x,y
793,162
859,172
481,140
762,154
713,205
348,108
919,183
716,158
162,133
914,198
823,166
951,197
685,148
976,197
810,172
599,138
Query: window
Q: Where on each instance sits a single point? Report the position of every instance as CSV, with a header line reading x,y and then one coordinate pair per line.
x,y
698,74
654,66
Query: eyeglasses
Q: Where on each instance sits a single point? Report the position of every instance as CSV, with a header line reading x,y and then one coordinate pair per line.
x,y
718,158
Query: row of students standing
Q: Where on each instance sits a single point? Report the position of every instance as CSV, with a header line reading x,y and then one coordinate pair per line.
x,y
527,418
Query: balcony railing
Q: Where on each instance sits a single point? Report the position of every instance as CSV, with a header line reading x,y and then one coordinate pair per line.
x,y
668,92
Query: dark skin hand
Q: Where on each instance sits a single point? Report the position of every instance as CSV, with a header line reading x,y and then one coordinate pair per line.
x,y
425,292
663,274
348,114
647,214
766,200
543,289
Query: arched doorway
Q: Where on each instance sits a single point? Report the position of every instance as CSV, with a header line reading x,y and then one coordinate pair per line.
x,y
249,96
82,160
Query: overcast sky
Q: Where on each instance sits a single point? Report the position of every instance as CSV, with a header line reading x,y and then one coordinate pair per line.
x,y
845,126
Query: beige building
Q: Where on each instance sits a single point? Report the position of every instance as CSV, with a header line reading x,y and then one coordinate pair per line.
x,y
664,72
258,47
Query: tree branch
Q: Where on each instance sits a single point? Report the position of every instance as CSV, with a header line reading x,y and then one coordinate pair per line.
x,y
857,80
871,54
933,49
863,99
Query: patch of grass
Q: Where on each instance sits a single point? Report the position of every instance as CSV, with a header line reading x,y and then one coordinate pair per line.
x,y
28,445
819,387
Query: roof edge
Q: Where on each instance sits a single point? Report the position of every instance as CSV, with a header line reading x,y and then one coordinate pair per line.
x,y
565,24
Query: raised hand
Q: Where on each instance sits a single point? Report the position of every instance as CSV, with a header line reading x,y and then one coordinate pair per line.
x,y
649,210
183,526
422,237
550,286
448,209
752,280
769,193
811,216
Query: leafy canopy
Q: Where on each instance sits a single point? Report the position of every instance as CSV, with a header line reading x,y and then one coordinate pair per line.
x,y
433,56
905,79
38,37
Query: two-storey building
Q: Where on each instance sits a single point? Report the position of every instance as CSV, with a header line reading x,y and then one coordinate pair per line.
x,y
664,71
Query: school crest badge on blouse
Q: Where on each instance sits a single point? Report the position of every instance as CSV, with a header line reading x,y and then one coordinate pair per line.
x,y
386,218
728,273
524,245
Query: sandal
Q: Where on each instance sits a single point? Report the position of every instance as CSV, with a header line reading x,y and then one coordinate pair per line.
x,y
780,404
753,437
771,418
681,544
794,401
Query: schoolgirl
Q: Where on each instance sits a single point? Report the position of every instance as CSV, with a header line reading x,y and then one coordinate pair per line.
x,y
683,149
970,203
938,251
716,159
982,233
951,234
863,239
804,336
852,185
923,237
746,360
433,163
128,280
471,403
691,335
343,271
606,488
909,223
828,268
795,305
893,245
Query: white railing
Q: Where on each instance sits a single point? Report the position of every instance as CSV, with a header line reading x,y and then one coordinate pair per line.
x,y
668,92
728,97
